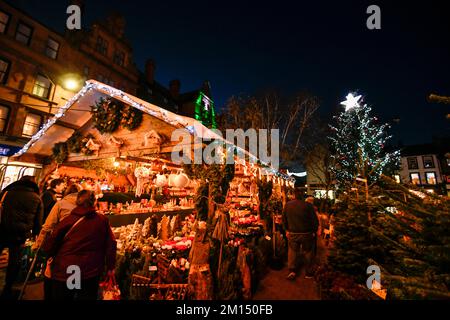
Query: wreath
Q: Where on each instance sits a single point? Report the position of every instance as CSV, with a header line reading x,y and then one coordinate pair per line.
x,y
109,114
60,152
131,117
106,115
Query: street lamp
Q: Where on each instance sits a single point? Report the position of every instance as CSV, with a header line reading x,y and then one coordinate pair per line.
x,y
71,82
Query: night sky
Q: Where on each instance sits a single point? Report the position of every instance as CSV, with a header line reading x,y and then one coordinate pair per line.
x,y
321,46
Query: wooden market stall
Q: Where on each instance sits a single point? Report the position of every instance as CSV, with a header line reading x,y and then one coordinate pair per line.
x,y
121,147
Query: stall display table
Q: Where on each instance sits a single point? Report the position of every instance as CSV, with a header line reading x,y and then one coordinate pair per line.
x,y
118,220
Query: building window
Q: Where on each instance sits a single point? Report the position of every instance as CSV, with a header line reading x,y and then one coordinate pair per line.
x,y
4,112
428,162
415,178
24,33
86,72
102,46
52,48
4,69
4,19
42,87
32,123
119,58
412,163
397,178
430,177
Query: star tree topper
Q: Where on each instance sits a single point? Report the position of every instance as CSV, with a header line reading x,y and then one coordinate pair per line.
x,y
351,102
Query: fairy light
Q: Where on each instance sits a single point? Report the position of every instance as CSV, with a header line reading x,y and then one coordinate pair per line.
x,y
160,113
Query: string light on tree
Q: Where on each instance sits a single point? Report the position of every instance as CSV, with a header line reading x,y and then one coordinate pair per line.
x,y
358,143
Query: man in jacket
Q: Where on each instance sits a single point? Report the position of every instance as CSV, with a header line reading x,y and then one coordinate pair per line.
x,y
300,222
49,196
21,213
59,212
83,239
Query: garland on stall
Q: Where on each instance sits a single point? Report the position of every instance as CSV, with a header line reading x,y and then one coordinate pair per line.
x,y
75,144
60,152
131,117
109,114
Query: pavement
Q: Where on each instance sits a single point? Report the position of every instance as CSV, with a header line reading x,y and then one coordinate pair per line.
x,y
275,286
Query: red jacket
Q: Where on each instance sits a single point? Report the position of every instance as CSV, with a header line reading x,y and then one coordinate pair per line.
x,y
89,245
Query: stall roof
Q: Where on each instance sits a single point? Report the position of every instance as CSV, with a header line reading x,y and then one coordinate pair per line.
x,y
76,113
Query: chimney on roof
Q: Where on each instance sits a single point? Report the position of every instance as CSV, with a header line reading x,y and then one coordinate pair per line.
x,y
150,71
206,88
174,88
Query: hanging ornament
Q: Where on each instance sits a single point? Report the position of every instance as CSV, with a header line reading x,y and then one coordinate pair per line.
x,y
152,139
93,146
171,179
115,142
161,180
142,174
181,180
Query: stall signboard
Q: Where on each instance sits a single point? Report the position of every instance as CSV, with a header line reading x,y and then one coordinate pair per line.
x,y
8,151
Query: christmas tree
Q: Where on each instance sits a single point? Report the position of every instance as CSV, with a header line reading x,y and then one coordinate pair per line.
x,y
358,142
401,230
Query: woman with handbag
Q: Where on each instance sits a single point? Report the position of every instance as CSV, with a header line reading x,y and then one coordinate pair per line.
x,y
81,242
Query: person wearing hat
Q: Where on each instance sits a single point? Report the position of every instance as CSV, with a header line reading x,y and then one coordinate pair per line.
x,y
301,223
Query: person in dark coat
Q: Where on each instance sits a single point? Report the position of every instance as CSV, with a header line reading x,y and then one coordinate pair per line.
x,y
21,216
83,239
301,223
49,196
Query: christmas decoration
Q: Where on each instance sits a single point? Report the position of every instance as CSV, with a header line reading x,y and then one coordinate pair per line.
x,y
159,113
409,244
60,152
142,174
106,115
131,117
358,141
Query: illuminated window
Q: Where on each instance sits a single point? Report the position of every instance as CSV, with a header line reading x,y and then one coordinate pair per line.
x,y
52,48
42,86
431,177
397,178
428,162
4,112
24,33
32,124
415,178
4,68
4,19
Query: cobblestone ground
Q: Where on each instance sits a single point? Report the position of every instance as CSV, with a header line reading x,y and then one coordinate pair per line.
x,y
275,286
